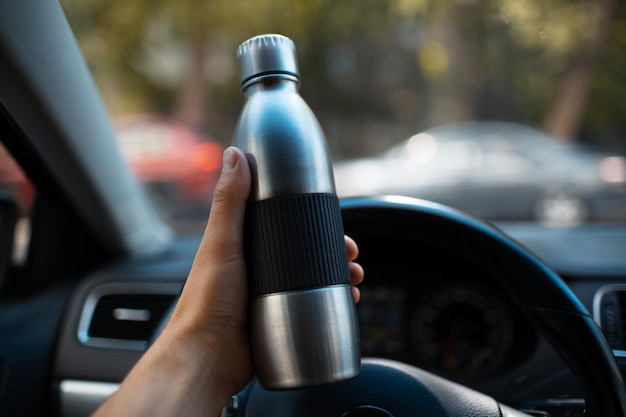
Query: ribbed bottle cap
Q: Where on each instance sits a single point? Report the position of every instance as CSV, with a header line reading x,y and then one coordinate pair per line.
x,y
267,55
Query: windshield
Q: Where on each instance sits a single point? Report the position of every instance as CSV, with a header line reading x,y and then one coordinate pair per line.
x,y
510,110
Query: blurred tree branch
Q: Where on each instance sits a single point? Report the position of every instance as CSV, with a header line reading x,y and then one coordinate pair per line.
x,y
565,113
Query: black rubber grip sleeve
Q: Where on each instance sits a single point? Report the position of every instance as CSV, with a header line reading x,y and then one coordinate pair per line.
x,y
294,243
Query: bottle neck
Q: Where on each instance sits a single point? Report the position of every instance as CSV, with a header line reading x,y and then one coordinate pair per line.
x,y
271,83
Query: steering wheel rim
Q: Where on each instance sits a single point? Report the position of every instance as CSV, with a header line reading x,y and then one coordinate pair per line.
x,y
548,302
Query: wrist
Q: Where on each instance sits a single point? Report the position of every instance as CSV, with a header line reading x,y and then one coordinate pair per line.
x,y
172,378
192,363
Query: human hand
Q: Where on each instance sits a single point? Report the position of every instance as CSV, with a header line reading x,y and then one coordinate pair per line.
x,y
204,347
213,303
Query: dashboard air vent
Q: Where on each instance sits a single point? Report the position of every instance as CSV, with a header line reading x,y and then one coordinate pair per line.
x,y
609,311
125,316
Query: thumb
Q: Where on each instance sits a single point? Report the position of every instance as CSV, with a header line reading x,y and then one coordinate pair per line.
x,y
223,237
210,317
216,283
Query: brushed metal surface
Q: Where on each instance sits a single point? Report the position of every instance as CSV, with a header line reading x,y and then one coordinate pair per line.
x,y
81,398
267,55
277,130
284,143
305,338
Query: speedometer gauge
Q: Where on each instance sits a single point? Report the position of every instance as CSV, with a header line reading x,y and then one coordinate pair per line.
x,y
462,329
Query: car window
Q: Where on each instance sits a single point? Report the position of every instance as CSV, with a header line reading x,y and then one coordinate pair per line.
x,y
417,97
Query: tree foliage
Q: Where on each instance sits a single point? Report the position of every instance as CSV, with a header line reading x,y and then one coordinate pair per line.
x,y
374,71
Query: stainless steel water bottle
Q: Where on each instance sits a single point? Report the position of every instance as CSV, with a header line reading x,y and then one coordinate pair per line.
x,y
302,319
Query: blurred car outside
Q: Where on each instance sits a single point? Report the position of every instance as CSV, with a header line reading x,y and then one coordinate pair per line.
x,y
177,166
15,182
496,171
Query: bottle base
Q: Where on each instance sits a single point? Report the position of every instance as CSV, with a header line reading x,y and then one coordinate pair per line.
x,y
305,338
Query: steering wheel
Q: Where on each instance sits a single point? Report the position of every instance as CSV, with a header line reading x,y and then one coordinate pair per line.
x,y
387,388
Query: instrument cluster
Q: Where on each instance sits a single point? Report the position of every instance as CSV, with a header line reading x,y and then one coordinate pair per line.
x,y
446,317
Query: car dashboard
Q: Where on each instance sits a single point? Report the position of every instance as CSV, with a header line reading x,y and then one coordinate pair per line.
x,y
428,306
437,310
422,303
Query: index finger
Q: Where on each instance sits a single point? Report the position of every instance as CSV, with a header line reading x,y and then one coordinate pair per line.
x,y
351,248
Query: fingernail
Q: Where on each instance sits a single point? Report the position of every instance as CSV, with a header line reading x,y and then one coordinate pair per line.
x,y
230,160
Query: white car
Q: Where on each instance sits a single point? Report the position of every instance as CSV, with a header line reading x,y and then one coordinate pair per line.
x,y
496,171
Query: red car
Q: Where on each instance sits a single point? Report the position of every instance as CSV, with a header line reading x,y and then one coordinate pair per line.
x,y
13,180
177,165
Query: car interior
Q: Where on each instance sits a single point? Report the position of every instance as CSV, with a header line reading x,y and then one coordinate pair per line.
x,y
458,315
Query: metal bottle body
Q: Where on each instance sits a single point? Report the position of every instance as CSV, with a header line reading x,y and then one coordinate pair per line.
x,y
303,326
283,141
